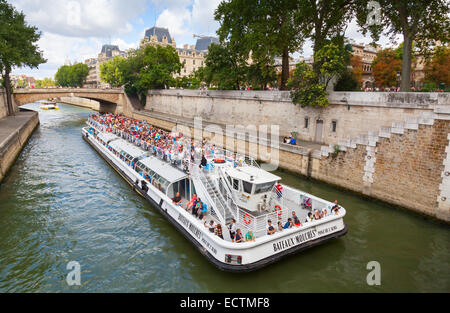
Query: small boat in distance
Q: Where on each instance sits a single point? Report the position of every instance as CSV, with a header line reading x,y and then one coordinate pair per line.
x,y
49,105
235,192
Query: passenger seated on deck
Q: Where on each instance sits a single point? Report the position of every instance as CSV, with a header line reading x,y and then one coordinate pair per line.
x,y
238,237
323,213
203,162
289,224
335,207
296,220
249,236
270,229
280,227
191,203
218,231
316,215
177,199
310,217
211,226
196,207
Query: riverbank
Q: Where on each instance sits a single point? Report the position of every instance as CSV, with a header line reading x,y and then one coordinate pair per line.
x,y
14,134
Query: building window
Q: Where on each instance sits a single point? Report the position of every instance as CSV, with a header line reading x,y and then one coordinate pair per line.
x,y
333,126
306,122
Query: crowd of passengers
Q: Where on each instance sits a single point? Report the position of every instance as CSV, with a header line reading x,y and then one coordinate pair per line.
x,y
175,147
170,146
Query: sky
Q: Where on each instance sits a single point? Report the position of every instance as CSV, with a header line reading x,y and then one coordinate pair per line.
x,y
77,29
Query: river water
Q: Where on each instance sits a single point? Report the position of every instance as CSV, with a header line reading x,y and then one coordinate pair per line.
x,y
62,202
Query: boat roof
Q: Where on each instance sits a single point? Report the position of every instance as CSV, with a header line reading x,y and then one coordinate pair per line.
x,y
260,176
122,145
164,169
107,136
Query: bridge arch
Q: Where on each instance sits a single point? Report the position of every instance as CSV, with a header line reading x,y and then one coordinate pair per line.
x,y
109,100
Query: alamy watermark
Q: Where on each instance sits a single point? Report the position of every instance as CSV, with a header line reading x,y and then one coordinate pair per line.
x,y
374,16
374,276
74,276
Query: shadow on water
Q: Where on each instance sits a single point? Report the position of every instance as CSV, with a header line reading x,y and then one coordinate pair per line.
x,y
61,202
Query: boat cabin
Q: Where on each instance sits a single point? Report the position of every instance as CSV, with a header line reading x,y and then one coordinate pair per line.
x,y
251,186
164,176
126,151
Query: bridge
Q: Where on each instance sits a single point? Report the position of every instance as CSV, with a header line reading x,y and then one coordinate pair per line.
x,y
110,100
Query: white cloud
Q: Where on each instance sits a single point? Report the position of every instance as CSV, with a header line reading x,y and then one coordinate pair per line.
x,y
94,18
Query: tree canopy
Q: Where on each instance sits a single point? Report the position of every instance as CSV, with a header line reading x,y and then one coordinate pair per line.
x,y
420,22
17,45
150,67
72,75
257,29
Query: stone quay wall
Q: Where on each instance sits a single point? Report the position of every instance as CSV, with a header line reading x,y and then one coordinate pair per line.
x,y
349,115
390,146
14,134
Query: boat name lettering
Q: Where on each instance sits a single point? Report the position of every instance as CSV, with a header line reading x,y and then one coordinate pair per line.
x,y
209,246
190,226
327,230
293,241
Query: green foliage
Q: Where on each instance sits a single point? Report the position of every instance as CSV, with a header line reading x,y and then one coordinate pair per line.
x,y
260,75
347,82
260,28
17,45
331,61
420,22
150,67
110,71
224,68
188,82
429,87
307,90
72,75
46,82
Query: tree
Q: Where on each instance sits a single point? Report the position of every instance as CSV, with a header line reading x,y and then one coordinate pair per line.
x,y
260,28
110,71
421,22
437,70
323,20
385,68
150,67
261,74
224,68
17,46
72,75
307,90
331,62
46,82
357,68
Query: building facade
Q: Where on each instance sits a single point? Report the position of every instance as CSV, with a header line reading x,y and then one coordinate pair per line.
x,y
108,52
193,57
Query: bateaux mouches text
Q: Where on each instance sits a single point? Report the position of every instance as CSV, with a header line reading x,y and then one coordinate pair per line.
x,y
301,238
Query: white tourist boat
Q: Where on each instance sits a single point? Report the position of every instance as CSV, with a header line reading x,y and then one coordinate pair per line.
x,y
231,186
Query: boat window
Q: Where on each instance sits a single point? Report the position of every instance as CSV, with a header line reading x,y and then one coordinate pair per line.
x,y
247,186
236,184
229,180
260,188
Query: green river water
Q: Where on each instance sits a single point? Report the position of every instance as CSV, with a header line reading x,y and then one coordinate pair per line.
x,y
62,202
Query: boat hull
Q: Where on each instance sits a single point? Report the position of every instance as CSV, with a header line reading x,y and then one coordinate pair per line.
x,y
192,236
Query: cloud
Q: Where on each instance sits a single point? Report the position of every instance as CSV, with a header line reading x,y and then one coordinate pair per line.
x,y
81,18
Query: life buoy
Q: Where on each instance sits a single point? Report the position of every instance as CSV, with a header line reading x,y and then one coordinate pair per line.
x,y
246,215
108,129
219,161
278,210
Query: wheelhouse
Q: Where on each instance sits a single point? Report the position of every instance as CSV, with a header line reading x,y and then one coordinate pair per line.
x,y
250,186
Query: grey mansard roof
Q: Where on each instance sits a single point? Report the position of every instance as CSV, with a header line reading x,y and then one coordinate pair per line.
x,y
108,49
203,43
159,33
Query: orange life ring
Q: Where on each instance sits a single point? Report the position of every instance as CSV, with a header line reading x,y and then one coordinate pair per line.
x,y
278,210
219,161
245,218
108,129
